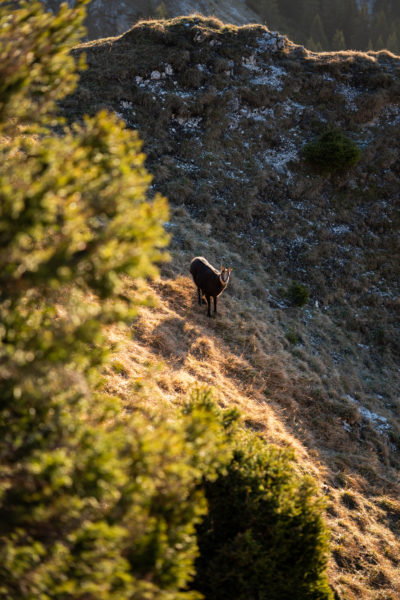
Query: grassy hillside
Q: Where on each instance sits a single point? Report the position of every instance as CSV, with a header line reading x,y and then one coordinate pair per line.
x,y
225,114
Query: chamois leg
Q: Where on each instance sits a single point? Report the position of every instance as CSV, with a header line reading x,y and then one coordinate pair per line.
x,y
208,298
215,304
199,292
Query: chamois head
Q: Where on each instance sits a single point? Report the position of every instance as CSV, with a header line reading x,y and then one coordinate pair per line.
x,y
224,275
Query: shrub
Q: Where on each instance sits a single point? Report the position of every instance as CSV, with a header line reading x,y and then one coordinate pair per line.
x,y
332,152
264,536
292,336
104,508
298,294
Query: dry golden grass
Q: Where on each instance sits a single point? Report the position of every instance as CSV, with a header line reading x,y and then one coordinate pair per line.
x,y
285,392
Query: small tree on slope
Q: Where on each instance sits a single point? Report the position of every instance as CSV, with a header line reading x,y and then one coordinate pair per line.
x,y
263,536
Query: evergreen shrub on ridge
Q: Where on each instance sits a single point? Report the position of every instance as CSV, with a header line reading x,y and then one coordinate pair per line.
x,y
332,152
263,536
298,294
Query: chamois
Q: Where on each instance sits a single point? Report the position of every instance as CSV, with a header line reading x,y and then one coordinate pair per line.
x,y
209,281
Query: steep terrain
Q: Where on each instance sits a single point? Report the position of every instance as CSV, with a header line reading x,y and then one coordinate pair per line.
x,y
225,113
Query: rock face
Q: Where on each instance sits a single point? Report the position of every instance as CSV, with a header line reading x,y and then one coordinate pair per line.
x,y
109,18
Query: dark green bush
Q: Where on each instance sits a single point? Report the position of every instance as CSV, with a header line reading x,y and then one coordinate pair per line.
x,y
292,336
298,294
263,537
332,152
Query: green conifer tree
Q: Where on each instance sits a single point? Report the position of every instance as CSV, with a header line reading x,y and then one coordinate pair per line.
x,y
392,43
361,29
318,34
310,9
94,505
338,41
380,44
161,10
350,16
313,46
263,536
380,30
332,13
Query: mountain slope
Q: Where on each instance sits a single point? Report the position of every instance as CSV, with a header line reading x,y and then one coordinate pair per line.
x,y
225,113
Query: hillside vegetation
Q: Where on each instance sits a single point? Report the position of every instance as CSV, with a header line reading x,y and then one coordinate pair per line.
x,y
102,501
225,113
276,162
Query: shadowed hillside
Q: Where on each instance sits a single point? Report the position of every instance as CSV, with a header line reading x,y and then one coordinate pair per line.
x,y
226,113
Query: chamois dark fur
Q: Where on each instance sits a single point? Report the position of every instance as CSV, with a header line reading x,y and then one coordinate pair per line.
x,y
210,282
